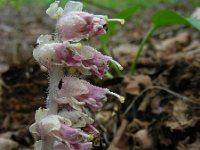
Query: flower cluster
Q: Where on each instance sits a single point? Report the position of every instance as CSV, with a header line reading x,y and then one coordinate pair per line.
x,y
65,125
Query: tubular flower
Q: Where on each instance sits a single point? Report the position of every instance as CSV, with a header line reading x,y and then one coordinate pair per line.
x,y
47,124
85,58
93,61
85,92
77,25
49,53
74,24
60,128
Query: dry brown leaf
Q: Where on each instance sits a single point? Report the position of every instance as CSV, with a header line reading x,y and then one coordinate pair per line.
x,y
152,99
193,146
125,53
7,144
137,125
155,105
134,84
142,140
103,116
173,44
179,119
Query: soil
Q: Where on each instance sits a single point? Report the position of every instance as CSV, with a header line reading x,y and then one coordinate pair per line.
x,y
162,106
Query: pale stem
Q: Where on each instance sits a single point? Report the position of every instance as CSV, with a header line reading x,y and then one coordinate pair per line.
x,y
122,21
121,98
55,74
116,63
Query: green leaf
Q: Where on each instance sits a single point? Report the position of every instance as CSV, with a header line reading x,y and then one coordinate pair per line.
x,y
194,22
168,17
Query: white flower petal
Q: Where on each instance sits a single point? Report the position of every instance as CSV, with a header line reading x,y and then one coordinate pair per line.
x,y
71,101
54,11
44,39
73,6
78,118
32,128
49,124
40,114
65,121
45,54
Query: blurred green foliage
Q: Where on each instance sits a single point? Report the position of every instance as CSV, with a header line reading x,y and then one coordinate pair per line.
x,y
195,2
20,3
119,5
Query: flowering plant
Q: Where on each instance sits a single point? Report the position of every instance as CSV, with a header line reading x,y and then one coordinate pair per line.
x,y
64,124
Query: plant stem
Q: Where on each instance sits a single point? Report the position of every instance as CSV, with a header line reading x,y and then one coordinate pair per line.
x,y
109,75
55,74
139,50
107,52
47,143
54,77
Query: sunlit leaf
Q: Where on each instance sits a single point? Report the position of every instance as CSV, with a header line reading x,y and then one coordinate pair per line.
x,y
168,17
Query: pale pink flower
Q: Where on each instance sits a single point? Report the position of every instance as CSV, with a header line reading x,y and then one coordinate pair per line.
x,y
94,62
50,53
77,25
84,58
73,135
60,128
83,91
74,24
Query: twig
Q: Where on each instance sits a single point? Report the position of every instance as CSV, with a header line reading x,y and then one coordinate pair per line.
x,y
104,133
156,87
118,135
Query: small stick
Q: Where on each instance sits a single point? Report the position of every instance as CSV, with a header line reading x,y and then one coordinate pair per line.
x,y
160,88
118,135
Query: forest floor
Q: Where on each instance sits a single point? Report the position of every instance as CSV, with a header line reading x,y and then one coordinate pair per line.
x,y
162,107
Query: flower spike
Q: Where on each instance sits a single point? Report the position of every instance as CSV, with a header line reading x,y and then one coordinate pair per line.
x,y
66,123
